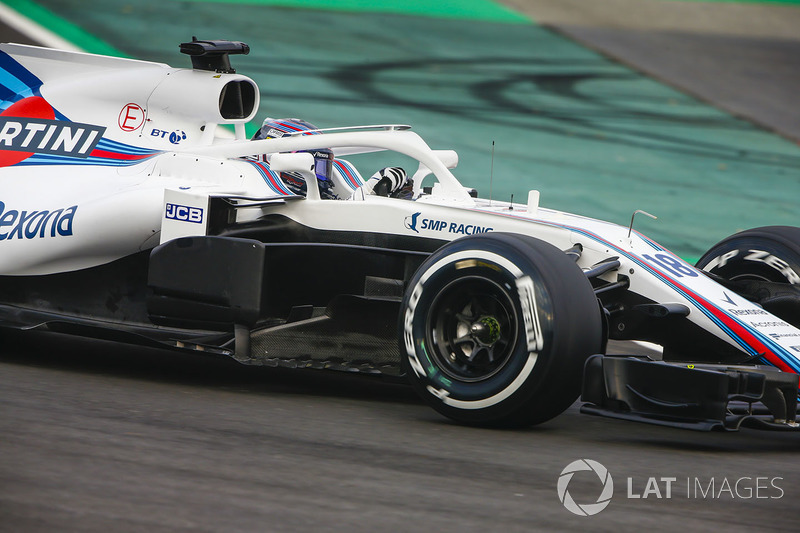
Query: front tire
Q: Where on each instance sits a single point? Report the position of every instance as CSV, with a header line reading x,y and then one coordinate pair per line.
x,y
771,255
495,329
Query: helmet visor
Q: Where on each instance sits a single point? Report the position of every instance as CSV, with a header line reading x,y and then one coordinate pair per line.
x,y
323,164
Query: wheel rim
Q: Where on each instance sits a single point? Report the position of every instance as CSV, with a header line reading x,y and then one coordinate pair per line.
x,y
472,329
749,277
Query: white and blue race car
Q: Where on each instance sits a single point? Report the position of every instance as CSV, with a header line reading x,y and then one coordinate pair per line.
x,y
128,213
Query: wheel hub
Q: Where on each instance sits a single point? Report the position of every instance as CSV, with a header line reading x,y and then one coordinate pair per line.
x,y
474,328
486,330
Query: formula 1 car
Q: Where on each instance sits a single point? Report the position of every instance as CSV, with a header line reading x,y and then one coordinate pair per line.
x,y
128,212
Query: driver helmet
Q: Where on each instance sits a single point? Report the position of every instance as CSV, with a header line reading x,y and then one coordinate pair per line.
x,y
323,157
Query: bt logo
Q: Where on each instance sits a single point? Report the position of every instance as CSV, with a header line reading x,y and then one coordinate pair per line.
x,y
174,137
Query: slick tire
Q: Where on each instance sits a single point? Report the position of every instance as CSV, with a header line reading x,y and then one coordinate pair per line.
x,y
770,254
495,329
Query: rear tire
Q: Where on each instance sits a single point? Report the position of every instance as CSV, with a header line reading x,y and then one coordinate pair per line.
x,y
495,329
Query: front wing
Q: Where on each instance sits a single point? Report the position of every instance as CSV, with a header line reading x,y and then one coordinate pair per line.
x,y
691,396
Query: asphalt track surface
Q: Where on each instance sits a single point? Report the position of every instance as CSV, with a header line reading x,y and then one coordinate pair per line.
x,y
96,437
739,56
101,438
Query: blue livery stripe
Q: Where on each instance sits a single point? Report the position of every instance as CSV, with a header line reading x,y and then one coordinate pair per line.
x,y
294,128
45,159
13,68
272,179
16,81
348,172
116,146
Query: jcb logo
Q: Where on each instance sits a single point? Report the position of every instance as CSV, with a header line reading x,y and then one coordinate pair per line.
x,y
184,213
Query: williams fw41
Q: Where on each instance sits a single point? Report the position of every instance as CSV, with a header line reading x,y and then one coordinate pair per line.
x,y
134,208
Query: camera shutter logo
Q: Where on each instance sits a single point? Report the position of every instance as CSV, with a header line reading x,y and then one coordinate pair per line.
x,y
586,509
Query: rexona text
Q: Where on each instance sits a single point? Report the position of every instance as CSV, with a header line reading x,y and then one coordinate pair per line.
x,y
15,224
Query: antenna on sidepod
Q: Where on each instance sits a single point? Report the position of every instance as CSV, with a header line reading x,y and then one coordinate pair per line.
x,y
491,176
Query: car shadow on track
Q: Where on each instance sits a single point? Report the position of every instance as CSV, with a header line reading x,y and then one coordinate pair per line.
x,y
143,363
202,371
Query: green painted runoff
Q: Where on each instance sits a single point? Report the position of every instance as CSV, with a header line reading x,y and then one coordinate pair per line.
x,y
460,9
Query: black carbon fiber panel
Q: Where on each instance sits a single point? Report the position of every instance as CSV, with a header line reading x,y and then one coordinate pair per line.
x,y
320,343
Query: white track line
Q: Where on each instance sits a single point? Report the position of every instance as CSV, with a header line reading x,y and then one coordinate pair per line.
x,y
33,30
